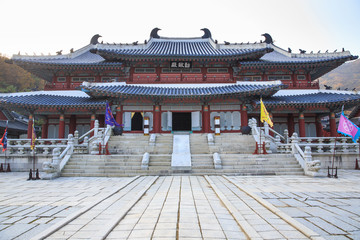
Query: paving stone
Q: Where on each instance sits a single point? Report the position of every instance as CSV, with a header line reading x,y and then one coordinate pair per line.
x,y
331,229
14,231
330,206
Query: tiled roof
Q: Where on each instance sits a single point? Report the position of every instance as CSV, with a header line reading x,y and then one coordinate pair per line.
x,y
110,56
14,125
312,99
281,57
50,101
165,47
43,66
127,90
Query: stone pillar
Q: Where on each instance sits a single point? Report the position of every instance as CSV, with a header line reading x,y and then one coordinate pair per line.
x,y
332,124
157,119
30,123
244,116
61,125
92,123
44,128
206,118
119,114
319,127
72,125
290,123
302,124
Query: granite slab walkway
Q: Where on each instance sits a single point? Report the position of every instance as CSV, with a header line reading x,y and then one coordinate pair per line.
x,y
181,207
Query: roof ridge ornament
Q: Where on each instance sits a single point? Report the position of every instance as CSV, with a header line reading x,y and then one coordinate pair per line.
x,y
154,33
207,33
94,39
268,38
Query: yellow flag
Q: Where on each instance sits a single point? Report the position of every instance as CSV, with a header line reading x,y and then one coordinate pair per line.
x,y
264,115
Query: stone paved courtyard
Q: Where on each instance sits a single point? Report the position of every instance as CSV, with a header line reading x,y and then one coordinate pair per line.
x,y
181,207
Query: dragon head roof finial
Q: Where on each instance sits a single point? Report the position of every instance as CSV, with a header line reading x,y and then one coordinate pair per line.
x,y
154,33
207,33
268,38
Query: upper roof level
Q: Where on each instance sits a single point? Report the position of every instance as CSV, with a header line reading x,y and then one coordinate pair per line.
x,y
262,54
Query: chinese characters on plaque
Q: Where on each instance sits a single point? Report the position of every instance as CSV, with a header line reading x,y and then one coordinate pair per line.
x,y
180,64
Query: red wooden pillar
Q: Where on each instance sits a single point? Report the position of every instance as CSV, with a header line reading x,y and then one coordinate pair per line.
x,y
157,119
264,78
72,124
92,123
203,72
302,124
319,127
206,118
101,119
68,82
119,114
44,128
244,116
30,123
61,126
332,124
290,123
294,79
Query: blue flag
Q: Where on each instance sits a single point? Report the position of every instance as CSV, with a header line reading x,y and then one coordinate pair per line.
x,y
3,140
109,118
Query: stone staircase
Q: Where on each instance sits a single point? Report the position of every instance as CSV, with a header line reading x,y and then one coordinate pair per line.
x,y
270,164
83,165
235,151
125,159
129,144
233,143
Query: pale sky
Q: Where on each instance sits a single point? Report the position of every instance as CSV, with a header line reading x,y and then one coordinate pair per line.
x,y
47,26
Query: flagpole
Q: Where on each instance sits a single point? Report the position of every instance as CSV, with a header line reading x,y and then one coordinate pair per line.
x,y
6,145
32,136
260,148
333,160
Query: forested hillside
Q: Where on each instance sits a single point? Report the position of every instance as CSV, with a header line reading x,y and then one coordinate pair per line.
x,y
16,79
345,76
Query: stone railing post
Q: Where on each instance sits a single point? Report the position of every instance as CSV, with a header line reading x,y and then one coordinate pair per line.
x,y
145,161
344,145
56,156
320,146
307,154
71,144
96,128
94,148
286,136
217,161
266,128
294,141
46,150
277,140
76,137
332,145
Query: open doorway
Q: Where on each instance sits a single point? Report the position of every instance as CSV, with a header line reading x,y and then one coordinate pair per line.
x,y
137,122
181,121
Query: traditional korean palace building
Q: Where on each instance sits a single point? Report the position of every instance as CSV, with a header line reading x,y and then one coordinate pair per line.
x,y
181,84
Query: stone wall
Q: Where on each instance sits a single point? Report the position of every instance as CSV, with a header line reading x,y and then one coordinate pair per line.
x,y
342,161
23,163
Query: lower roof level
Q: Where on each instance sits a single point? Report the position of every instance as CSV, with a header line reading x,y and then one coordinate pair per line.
x,y
95,96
